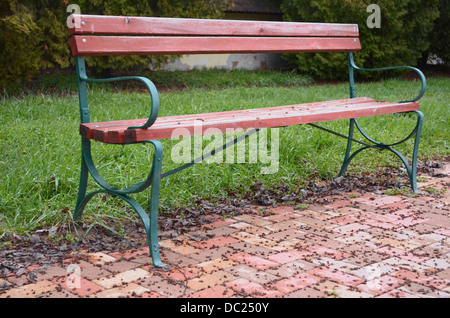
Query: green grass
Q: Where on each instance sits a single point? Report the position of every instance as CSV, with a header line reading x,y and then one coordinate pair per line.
x,y
40,154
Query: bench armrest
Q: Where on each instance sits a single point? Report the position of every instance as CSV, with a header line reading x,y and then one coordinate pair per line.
x,y
151,89
422,76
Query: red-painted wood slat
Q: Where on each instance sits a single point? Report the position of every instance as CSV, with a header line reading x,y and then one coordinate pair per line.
x,y
123,124
134,45
164,127
96,24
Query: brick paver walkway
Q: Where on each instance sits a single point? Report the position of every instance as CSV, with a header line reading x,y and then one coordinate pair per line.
x,y
361,245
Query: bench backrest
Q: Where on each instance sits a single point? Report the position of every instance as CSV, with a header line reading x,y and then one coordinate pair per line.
x,y
95,35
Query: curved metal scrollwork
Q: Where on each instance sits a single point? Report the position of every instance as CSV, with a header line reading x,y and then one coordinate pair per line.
x,y
411,169
352,65
154,106
139,187
149,220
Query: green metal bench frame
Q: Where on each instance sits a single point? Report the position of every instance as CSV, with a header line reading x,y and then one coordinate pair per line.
x,y
150,218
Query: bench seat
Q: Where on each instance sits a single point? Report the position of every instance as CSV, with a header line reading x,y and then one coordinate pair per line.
x,y
117,132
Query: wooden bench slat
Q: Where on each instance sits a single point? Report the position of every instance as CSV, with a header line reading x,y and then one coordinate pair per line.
x,y
137,45
95,24
124,124
120,124
164,127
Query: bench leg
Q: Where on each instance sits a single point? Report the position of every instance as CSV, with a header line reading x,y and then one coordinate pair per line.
x,y
152,228
347,157
149,220
84,174
410,169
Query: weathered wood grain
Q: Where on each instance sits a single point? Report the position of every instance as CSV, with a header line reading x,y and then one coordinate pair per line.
x,y
138,45
96,24
208,123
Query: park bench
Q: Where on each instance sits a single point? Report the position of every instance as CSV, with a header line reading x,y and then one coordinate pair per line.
x,y
94,35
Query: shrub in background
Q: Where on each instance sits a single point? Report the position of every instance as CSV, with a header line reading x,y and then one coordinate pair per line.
x,y
401,40
440,36
20,57
34,33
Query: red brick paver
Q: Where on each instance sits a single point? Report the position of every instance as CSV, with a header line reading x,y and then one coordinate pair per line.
x,y
358,245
